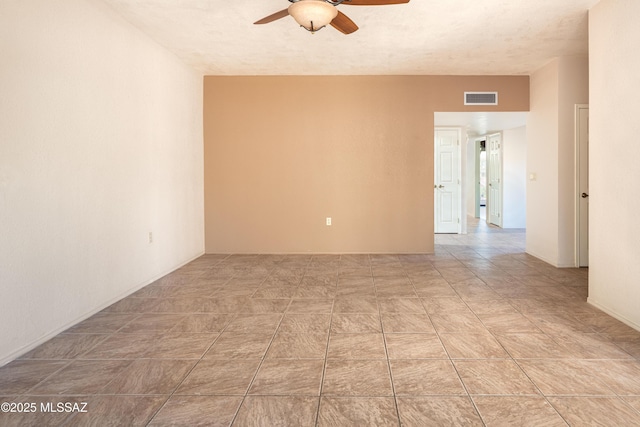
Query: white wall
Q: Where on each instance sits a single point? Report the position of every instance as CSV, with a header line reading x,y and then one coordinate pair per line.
x,y
514,177
100,144
542,161
614,174
555,89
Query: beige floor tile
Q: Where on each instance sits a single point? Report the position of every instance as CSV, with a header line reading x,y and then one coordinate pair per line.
x,y
505,323
65,346
263,306
260,411
356,305
455,274
621,376
209,411
357,378
492,306
203,323
153,323
184,304
344,323
399,290
446,305
133,305
457,323
231,345
298,346
19,376
34,415
315,305
103,323
414,346
288,377
499,377
600,411
356,291
219,377
130,411
533,346
305,323
473,346
591,346
180,345
123,346
633,401
150,376
356,346
254,323
433,288
400,305
352,280
407,322
275,292
425,377
357,411
474,290
564,377
81,377
525,411
437,411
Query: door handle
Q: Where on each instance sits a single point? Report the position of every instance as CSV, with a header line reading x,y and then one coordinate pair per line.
x,y
440,186
584,195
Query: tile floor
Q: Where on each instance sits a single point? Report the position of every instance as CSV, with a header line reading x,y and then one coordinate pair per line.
x,y
478,333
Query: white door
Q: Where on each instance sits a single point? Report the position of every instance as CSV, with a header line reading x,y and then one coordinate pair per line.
x,y
582,161
494,196
447,181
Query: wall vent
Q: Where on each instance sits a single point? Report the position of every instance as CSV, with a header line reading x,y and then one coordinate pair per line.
x,y
481,98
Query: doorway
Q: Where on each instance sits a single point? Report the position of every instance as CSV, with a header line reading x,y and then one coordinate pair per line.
x,y
582,185
481,179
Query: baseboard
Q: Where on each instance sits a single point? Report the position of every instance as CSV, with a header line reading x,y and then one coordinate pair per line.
x,y
552,263
614,314
27,348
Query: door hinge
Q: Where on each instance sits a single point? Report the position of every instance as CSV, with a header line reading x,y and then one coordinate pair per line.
x,y
458,220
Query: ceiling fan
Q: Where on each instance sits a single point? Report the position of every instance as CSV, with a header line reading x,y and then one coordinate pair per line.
x,y
313,15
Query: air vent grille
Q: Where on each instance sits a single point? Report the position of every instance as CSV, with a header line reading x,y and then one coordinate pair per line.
x,y
481,98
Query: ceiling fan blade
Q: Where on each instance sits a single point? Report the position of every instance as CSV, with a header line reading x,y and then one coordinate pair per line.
x,y
344,24
373,2
273,17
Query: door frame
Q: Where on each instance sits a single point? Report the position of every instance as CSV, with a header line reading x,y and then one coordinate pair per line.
x,y
578,197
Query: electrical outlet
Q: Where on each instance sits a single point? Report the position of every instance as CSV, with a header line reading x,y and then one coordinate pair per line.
x,y
328,220
151,237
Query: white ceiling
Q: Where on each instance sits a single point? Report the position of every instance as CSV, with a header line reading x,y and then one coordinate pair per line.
x,y
457,37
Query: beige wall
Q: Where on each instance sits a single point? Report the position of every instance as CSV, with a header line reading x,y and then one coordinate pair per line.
x,y
613,159
100,144
284,153
555,89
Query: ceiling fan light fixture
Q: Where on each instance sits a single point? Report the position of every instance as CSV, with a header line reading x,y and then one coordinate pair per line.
x,y
313,15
